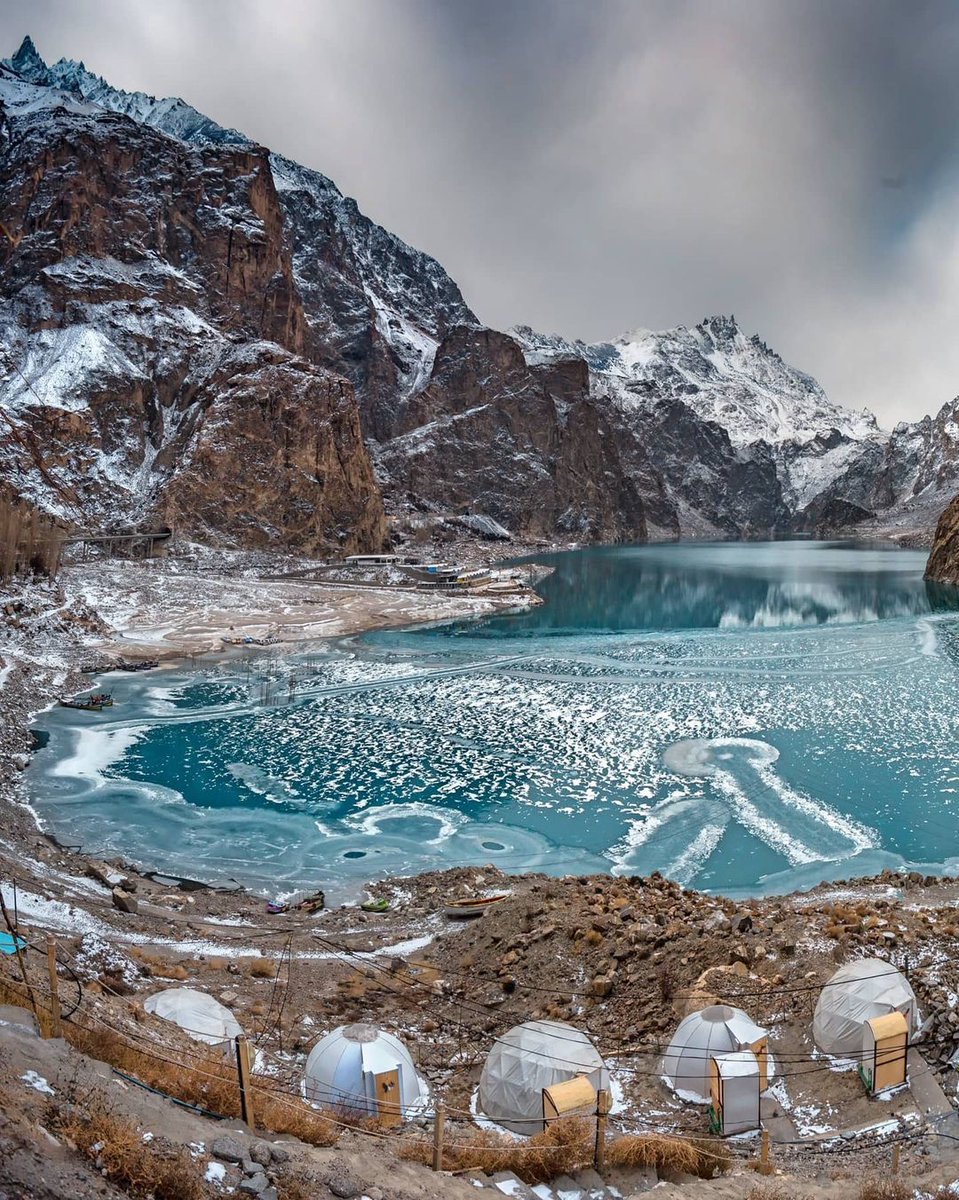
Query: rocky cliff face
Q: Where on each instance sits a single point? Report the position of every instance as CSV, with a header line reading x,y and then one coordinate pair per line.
x,y
528,445
943,564
164,276
905,480
738,439
154,337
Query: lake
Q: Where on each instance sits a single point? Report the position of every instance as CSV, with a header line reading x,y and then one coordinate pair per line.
x,y
744,717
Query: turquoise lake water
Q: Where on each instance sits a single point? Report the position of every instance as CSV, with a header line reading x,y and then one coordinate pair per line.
x,y
743,717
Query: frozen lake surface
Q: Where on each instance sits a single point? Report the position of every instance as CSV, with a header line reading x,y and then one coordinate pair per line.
x,y
744,717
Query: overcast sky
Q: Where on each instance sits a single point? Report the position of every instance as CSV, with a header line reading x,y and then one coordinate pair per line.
x,y
593,166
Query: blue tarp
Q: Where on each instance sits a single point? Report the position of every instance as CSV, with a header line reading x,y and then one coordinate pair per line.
x,y
7,945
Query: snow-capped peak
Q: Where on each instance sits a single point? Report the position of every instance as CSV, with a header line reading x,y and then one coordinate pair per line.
x,y
726,375
171,114
28,63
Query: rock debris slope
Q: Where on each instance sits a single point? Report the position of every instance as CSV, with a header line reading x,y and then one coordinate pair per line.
x,y
197,331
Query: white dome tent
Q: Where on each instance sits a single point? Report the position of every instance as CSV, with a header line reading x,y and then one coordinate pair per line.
x,y
719,1029
364,1069
197,1014
528,1059
858,992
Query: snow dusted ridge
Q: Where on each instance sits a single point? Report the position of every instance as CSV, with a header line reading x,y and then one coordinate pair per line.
x,y
731,380
171,115
405,294
722,373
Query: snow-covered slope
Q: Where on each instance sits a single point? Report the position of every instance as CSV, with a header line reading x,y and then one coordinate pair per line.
x,y
376,305
171,115
723,374
723,377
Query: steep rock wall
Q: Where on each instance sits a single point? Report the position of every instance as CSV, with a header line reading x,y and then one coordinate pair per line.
x,y
943,564
152,330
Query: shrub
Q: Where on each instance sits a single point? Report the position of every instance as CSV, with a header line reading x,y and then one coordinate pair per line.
x,y
262,968
704,1157
561,1148
888,1188
118,1148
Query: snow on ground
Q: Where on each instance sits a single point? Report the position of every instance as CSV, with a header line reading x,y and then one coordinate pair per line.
x,y
177,605
215,1172
97,933
38,1083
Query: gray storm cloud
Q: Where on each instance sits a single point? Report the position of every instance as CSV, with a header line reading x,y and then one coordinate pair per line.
x,y
591,167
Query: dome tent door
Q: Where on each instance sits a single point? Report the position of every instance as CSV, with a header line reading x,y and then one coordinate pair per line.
x,y
574,1097
885,1044
386,1087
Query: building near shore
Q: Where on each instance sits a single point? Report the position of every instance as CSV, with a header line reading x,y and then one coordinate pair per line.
x,y
527,1062
858,992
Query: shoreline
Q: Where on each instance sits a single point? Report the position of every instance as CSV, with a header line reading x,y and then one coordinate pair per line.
x,y
182,641
299,614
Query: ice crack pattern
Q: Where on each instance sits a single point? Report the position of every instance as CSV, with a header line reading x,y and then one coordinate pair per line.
x,y
737,756
742,772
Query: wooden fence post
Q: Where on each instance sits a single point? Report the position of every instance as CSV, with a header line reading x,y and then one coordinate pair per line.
x,y
55,1028
439,1122
602,1108
244,1072
895,1159
764,1153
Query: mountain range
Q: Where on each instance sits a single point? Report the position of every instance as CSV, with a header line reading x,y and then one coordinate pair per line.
x,y
201,333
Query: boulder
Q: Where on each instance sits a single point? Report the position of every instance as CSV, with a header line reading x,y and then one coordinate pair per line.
x,y
227,1149
124,901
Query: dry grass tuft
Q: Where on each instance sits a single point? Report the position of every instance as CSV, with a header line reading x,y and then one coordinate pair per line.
x,y
118,1149
262,968
294,1187
889,1188
286,1114
774,1191
12,991
704,1157
564,1147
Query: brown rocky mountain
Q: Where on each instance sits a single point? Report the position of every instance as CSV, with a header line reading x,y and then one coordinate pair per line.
x,y
198,331
943,564
155,339
484,407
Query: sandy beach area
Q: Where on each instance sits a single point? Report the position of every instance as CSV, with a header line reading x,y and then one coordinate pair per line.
x,y
153,609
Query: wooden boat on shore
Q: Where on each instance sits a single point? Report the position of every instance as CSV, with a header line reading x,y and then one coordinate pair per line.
x,y
472,906
93,703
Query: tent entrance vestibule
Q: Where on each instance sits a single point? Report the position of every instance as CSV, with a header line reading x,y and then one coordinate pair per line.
x,y
572,1098
885,1044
